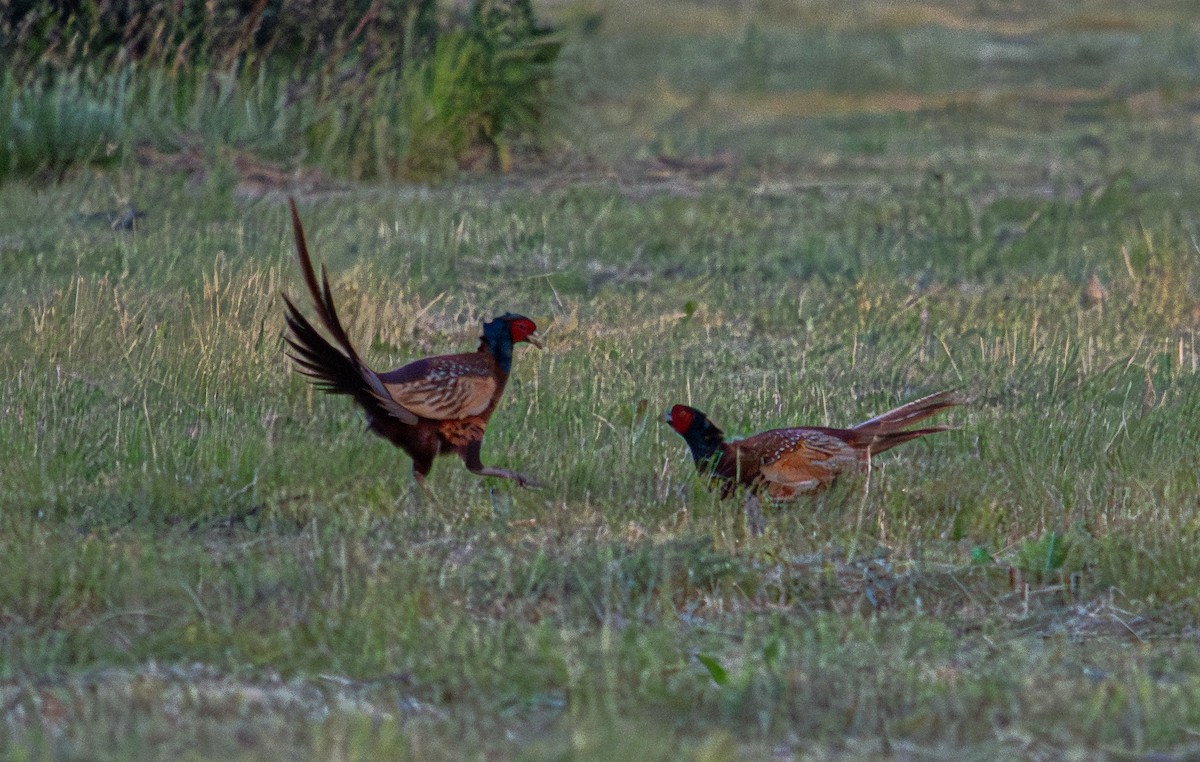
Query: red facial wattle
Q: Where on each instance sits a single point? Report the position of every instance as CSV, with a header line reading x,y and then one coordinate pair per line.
x,y
524,329
681,418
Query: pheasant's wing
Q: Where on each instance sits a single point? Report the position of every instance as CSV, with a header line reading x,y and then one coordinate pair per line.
x,y
443,388
803,459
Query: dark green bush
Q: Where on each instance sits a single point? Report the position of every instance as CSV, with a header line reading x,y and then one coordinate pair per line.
x,y
365,88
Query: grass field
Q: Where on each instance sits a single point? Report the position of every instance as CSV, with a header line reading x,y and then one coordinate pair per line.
x,y
782,213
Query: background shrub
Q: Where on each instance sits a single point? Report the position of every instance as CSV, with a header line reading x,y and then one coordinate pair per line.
x,y
366,88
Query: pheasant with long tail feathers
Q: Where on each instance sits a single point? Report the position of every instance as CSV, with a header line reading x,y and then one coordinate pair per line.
x,y
430,407
783,463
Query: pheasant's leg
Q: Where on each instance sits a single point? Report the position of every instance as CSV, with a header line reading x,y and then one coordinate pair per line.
x,y
504,473
419,492
470,456
421,468
754,516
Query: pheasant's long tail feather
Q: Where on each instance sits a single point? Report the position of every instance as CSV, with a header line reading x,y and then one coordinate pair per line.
x,y
909,413
335,369
887,440
331,368
322,295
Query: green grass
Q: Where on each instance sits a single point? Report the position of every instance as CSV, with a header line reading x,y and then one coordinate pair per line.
x,y
202,557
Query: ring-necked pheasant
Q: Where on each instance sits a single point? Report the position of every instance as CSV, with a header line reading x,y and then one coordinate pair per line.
x,y
783,463
429,407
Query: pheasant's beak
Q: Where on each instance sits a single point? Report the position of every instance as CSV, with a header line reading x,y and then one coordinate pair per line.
x,y
665,417
534,339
